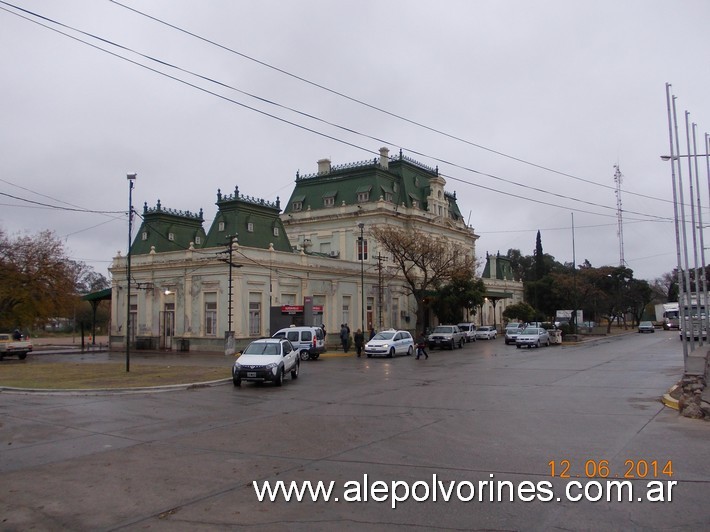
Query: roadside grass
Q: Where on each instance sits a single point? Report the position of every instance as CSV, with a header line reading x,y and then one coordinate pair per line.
x,y
86,376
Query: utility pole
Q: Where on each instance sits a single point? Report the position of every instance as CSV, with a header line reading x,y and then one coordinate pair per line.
x,y
380,290
129,326
230,249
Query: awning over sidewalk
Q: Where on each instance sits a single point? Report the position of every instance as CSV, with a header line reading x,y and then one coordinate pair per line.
x,y
101,295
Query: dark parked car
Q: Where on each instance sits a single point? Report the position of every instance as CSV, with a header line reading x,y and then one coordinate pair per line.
x,y
646,326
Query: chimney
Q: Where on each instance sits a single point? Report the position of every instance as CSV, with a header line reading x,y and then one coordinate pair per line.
x,y
324,166
384,158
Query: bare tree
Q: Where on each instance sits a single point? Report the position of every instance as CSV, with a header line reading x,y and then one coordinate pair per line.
x,y
427,262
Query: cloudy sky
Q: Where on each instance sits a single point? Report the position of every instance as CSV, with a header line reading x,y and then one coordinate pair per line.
x,y
525,106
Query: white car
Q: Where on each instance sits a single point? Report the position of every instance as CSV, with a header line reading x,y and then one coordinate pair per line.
x,y
390,343
487,332
266,360
532,336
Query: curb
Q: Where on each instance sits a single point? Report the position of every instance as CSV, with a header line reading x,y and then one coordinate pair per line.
x,y
115,391
669,400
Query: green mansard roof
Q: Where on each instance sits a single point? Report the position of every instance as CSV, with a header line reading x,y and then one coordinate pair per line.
x,y
400,180
498,267
254,221
167,230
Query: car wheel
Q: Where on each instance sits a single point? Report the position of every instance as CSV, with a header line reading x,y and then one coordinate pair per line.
x,y
391,353
22,356
295,370
237,381
410,351
304,355
460,344
279,380
516,345
369,355
538,344
547,344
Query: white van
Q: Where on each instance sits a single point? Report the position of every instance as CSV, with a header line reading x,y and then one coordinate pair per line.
x,y
309,341
469,329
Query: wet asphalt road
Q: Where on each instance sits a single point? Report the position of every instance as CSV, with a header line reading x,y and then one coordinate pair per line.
x,y
186,460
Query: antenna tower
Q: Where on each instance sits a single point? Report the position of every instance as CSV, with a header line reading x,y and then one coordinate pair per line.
x,y
618,178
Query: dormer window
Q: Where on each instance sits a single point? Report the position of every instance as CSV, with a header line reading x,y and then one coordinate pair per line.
x,y
388,196
220,226
363,194
198,240
276,231
144,236
297,206
171,236
329,198
250,227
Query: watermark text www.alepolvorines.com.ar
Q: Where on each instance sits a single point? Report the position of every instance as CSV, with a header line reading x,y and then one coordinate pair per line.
x,y
483,491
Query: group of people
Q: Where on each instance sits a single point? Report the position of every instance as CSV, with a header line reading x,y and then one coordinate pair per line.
x,y
358,338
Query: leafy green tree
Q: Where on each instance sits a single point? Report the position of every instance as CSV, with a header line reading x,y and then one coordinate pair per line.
x,y
519,311
462,293
639,295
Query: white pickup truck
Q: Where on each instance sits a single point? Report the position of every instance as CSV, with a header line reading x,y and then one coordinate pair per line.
x,y
11,347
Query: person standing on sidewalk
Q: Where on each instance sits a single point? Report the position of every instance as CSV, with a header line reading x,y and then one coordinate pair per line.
x,y
344,337
359,339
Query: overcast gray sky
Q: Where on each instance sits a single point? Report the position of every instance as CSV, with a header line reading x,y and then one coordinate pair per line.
x,y
525,107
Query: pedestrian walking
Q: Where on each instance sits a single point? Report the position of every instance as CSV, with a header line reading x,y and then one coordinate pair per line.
x,y
359,341
372,332
344,337
421,346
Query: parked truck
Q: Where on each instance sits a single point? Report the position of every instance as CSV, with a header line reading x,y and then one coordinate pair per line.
x,y
11,345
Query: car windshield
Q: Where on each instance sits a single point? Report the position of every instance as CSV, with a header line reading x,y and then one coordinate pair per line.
x,y
443,329
386,335
531,330
512,328
646,324
262,348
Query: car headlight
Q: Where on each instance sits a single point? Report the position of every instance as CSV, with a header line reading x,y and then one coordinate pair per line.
x,y
237,366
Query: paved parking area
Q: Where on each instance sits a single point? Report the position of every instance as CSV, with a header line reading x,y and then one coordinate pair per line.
x,y
489,412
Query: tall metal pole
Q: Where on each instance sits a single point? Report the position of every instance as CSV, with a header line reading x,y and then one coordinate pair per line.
x,y
131,178
362,275
574,278
701,286
681,316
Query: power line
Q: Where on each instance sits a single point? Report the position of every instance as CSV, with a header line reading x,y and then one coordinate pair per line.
x,y
374,107
300,126
57,207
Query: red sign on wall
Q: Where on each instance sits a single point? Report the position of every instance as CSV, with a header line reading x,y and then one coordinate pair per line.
x,y
298,309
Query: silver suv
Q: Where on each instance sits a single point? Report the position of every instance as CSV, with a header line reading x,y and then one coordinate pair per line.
x,y
446,335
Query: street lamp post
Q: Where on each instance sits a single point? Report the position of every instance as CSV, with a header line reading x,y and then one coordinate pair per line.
x,y
362,274
131,179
